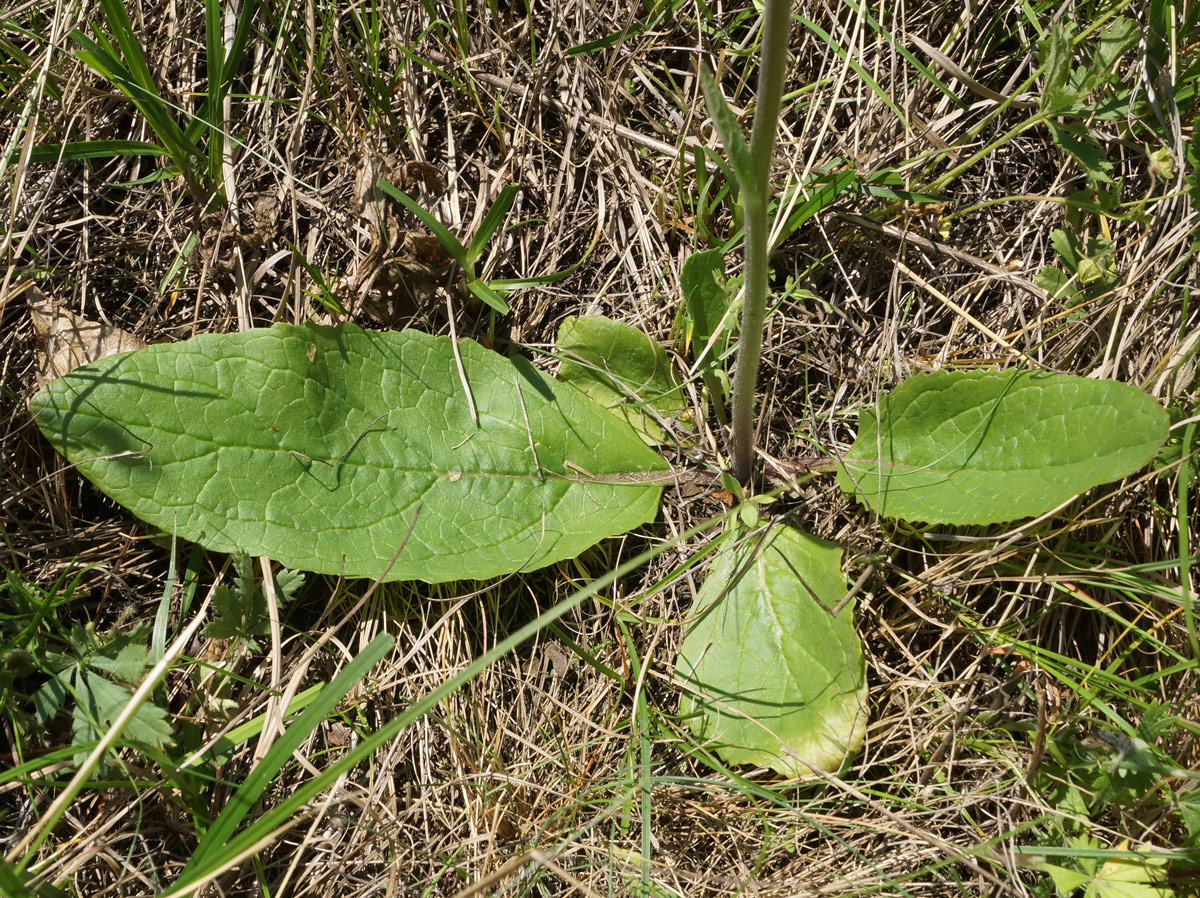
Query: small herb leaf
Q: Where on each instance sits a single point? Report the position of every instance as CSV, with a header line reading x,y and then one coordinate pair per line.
x,y
730,132
702,280
621,368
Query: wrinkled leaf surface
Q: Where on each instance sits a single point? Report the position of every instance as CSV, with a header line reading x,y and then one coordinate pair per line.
x,y
319,446
978,447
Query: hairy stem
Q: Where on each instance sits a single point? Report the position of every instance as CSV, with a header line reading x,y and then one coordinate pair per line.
x,y
776,28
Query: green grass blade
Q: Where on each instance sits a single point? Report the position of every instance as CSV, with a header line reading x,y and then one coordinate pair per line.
x,y
492,221
99,58
251,790
14,884
488,296
271,823
820,197
211,111
1185,568
122,31
93,149
855,65
456,250
508,285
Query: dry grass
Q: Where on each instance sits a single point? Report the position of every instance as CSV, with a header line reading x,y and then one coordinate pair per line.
x,y
532,779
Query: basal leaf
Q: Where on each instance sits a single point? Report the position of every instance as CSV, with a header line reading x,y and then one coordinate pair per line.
x,y
979,447
320,446
770,672
620,368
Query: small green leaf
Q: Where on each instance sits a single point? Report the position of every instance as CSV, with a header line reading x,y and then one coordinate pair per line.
x,y
320,447
980,447
240,612
100,703
492,220
1075,139
48,699
1115,38
124,655
91,149
702,280
621,368
14,883
488,296
1066,880
770,672
1055,53
730,132
1059,285
1067,246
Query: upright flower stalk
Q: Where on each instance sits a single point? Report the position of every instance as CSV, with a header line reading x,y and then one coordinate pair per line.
x,y
755,187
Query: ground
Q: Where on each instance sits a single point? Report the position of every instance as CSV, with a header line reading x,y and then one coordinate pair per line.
x,y
1020,190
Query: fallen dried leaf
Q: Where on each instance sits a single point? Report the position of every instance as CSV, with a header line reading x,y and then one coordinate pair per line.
x,y
66,340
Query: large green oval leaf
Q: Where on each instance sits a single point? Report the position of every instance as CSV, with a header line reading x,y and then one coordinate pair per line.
x,y
980,447
319,446
771,674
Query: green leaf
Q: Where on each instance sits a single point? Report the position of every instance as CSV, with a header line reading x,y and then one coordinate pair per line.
x,y
449,242
1119,876
980,447
246,798
702,280
488,296
320,446
767,666
492,220
48,699
1067,246
92,149
100,703
287,584
1066,880
240,613
730,132
1115,38
1058,284
138,87
818,194
14,883
1075,139
125,655
1055,54
621,368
